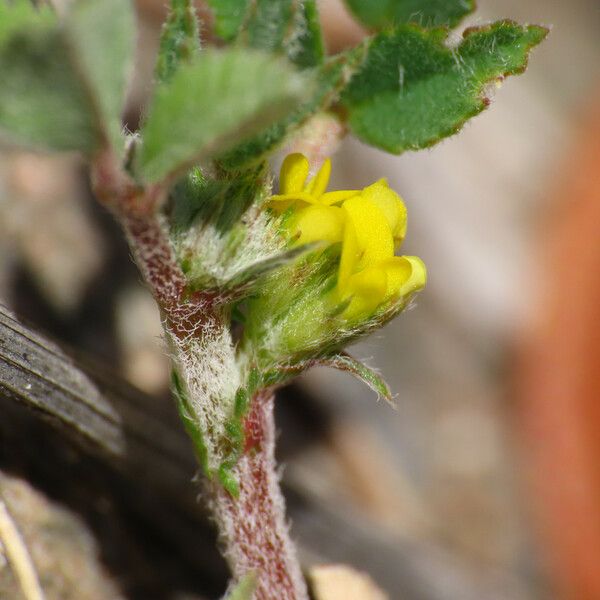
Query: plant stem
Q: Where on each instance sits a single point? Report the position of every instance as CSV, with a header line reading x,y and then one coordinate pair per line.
x,y
252,527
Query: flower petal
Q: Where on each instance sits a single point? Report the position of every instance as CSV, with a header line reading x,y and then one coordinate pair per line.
x,y
405,275
329,198
373,233
293,197
293,173
317,223
318,184
391,205
349,257
367,290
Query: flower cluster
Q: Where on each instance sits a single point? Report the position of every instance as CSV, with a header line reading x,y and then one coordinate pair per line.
x,y
370,224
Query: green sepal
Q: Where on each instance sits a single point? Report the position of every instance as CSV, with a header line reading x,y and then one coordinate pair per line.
x,y
247,280
292,311
344,362
341,361
179,39
381,14
189,423
223,238
198,200
413,90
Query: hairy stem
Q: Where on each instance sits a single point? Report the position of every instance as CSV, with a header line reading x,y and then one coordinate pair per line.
x,y
252,526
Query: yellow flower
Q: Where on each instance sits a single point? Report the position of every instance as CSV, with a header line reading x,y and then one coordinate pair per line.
x,y
370,224
294,188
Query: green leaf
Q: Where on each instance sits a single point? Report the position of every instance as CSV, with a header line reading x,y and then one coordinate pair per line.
x,y
213,104
63,83
308,50
41,100
413,90
379,14
331,78
179,40
101,36
268,23
244,589
19,15
289,26
228,17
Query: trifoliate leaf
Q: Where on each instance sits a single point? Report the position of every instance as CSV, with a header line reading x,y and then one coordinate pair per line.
x,y
179,40
379,14
63,83
213,104
413,90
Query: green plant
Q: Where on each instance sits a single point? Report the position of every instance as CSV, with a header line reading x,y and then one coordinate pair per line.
x,y
300,273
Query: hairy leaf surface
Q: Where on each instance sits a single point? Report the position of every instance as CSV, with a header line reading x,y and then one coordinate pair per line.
x,y
379,14
179,40
413,90
213,104
330,79
63,82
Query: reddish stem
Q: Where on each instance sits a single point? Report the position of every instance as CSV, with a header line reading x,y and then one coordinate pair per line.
x,y
252,526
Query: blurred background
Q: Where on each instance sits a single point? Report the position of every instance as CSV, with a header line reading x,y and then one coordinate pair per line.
x,y
484,483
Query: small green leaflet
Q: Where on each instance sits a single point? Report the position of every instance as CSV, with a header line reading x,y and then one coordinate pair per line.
x,y
63,83
289,27
100,36
228,17
179,40
211,105
330,79
413,90
380,14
